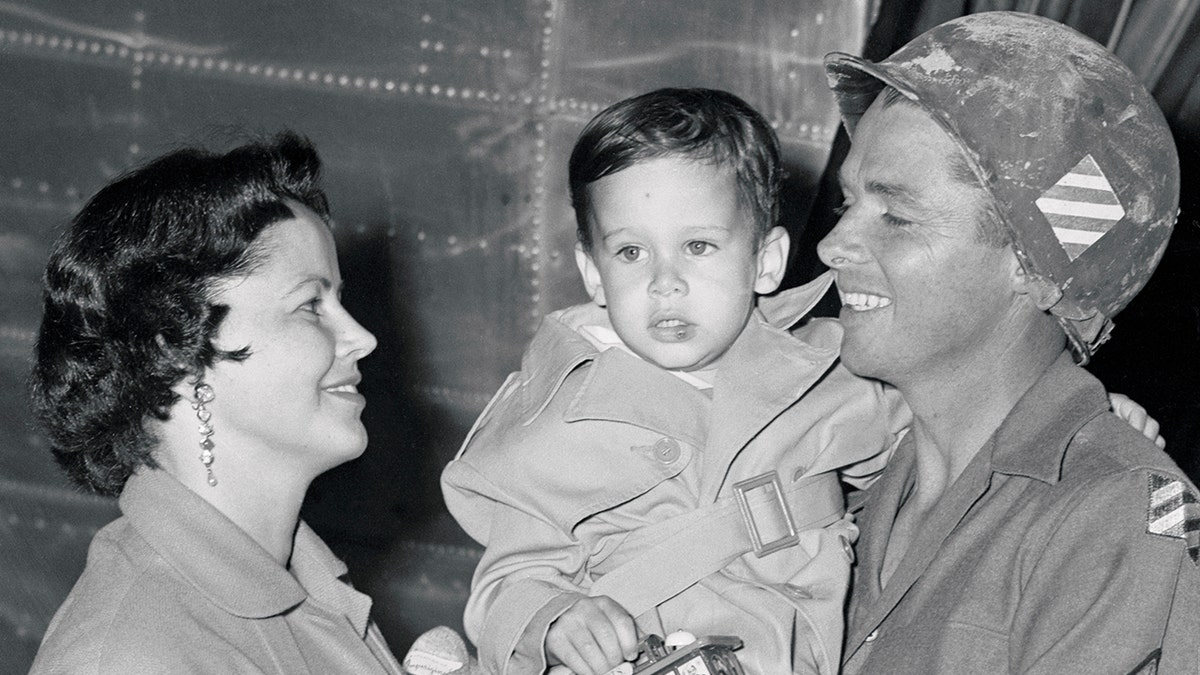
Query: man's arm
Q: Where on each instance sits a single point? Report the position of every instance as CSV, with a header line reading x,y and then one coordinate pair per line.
x,y
1111,584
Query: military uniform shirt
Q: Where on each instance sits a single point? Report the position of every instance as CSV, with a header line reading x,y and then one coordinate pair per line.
x,y
1068,545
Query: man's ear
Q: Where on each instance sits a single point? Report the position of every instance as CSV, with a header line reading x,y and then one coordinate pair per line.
x,y
590,274
1042,292
772,260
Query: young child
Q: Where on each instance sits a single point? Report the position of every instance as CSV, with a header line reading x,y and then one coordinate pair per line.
x,y
608,478
668,456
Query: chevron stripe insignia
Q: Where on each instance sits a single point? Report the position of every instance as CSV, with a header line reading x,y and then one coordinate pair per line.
x,y
1081,207
1174,512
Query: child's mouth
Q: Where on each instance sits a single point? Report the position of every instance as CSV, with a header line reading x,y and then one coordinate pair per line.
x,y
672,330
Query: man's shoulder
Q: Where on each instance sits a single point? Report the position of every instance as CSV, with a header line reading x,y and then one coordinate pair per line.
x,y
1133,485
1107,446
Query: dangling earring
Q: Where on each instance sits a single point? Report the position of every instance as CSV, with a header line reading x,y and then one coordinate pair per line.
x,y
204,394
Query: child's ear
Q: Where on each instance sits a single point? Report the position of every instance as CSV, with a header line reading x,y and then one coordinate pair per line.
x,y
590,274
772,260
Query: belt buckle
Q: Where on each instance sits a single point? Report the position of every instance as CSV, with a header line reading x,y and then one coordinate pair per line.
x,y
768,481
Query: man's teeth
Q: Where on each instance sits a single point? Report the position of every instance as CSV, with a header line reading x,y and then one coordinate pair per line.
x,y
864,301
345,388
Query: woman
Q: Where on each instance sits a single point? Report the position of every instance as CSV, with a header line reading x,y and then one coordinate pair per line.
x,y
195,359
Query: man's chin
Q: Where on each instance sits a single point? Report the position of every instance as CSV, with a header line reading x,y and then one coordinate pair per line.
x,y
863,360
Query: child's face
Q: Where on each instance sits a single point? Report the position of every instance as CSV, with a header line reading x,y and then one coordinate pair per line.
x,y
674,260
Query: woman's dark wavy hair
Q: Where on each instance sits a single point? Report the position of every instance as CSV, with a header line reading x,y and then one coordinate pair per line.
x,y
127,297
704,125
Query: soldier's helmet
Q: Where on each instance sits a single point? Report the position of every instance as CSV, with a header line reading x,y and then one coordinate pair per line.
x,y
1074,152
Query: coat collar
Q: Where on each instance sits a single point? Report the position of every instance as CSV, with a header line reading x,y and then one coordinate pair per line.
x,y
225,564
765,371
786,308
557,348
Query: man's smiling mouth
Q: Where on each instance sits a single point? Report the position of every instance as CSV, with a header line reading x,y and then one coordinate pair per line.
x,y
862,302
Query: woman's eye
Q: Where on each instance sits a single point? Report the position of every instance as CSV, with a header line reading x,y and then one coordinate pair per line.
x,y
630,253
312,305
699,247
894,221
841,209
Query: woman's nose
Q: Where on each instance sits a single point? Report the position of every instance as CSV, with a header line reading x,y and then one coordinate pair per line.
x,y
358,341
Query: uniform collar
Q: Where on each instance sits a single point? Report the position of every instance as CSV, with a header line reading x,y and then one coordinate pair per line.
x,y
1033,438
225,564
1031,442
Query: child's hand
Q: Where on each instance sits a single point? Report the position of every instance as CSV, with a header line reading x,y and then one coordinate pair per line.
x,y
593,636
1136,416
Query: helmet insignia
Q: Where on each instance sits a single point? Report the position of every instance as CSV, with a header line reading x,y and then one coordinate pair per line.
x,y
1081,207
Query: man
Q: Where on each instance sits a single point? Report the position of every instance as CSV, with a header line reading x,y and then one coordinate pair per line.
x,y
1010,187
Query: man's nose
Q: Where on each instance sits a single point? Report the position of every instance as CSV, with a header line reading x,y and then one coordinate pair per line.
x,y
842,246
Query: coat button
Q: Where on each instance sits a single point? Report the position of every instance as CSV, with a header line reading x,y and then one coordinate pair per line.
x,y
847,547
666,450
871,636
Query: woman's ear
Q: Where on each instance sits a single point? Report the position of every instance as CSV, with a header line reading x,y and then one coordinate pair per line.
x,y
186,387
772,260
590,274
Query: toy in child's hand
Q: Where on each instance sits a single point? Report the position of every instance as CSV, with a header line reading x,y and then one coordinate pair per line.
x,y
440,651
682,654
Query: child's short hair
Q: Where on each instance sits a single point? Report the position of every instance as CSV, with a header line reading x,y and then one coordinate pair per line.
x,y
705,125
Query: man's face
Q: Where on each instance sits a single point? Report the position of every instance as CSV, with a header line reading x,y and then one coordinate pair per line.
x,y
920,293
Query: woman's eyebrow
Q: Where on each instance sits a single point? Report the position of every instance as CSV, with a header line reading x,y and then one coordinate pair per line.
x,y
324,282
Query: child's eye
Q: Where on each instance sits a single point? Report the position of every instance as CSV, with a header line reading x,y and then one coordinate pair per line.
x,y
630,253
699,247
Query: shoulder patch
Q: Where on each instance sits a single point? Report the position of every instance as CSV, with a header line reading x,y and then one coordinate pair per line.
x,y
1173,511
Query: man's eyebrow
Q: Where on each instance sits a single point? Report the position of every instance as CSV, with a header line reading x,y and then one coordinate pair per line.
x,y
892,190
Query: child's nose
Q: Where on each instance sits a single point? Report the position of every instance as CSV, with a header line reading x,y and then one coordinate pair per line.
x,y
667,280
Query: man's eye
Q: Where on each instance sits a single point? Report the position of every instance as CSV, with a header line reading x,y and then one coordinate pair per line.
x,y
699,247
630,253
